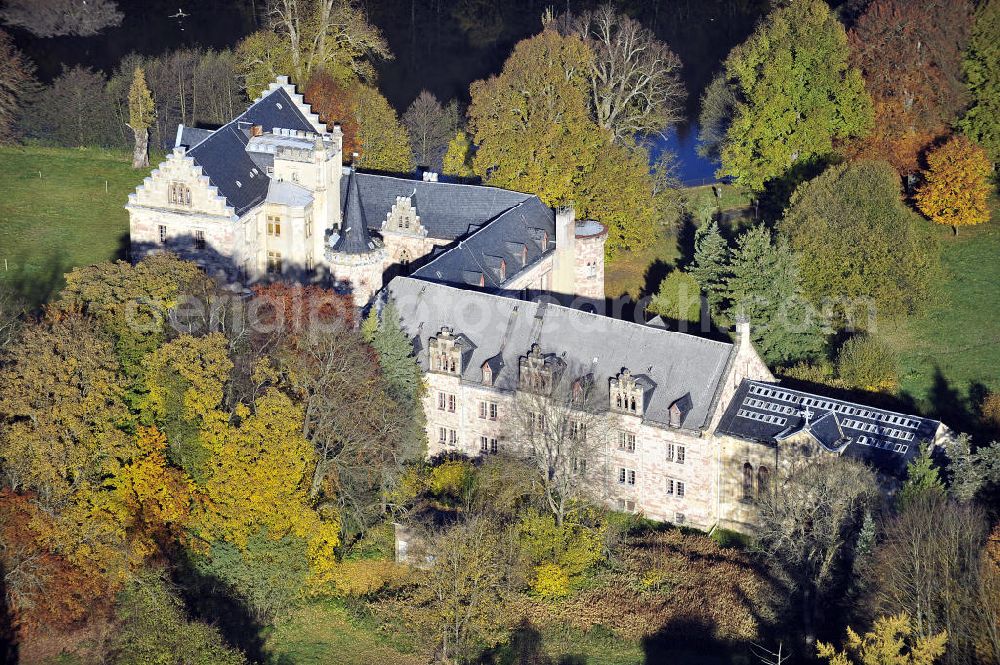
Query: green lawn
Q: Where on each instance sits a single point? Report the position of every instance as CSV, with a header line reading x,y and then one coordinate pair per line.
x,y
60,208
323,631
950,352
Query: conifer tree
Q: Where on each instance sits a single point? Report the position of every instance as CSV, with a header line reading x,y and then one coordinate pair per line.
x,y
141,114
458,158
766,287
982,71
711,262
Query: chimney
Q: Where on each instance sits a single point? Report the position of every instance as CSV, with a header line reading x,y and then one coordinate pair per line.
x,y
257,130
743,329
564,270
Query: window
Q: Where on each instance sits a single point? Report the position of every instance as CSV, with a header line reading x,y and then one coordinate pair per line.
x,y
488,445
451,403
447,435
163,234
442,434
747,482
580,466
763,482
680,488
452,437
538,421
488,410
626,476
626,394
274,263
577,431
670,452
309,226
670,486
626,441
680,454
441,401
274,226
179,194
199,239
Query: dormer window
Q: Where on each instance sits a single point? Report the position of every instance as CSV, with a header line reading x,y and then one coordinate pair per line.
x,y
445,353
487,374
503,270
178,194
537,373
626,395
524,255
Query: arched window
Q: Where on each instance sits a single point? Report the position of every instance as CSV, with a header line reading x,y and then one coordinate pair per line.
x,y
179,194
763,482
747,482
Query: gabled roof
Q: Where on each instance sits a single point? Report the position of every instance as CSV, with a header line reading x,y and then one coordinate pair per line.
x,y
223,157
447,210
768,412
503,329
504,240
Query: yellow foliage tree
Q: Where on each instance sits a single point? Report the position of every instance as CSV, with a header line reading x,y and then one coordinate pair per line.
x,y
458,157
384,142
956,185
889,643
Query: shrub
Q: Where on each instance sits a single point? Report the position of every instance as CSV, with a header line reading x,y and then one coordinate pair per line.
x,y
362,577
990,410
450,479
551,581
867,363
573,546
678,298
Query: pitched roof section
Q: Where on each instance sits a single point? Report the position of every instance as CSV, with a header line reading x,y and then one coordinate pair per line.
x,y
223,156
516,240
447,210
768,412
503,329
354,237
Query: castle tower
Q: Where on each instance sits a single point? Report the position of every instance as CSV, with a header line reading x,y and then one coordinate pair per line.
x,y
355,258
564,266
589,240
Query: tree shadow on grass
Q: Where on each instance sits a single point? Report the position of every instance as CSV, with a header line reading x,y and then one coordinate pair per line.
x,y
35,286
690,641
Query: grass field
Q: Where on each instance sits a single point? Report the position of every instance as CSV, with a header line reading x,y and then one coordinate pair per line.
x,y
60,208
951,352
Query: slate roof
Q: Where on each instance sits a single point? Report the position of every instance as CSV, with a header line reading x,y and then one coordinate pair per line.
x,y
223,156
288,193
885,439
502,240
188,137
502,329
447,210
354,237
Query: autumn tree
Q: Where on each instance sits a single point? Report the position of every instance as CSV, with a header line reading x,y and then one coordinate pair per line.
x,y
56,18
431,127
534,133
911,57
334,102
141,114
928,566
16,76
981,64
73,111
795,93
816,508
890,642
305,36
710,264
867,363
988,606
678,298
956,187
457,160
766,287
860,246
634,80
384,142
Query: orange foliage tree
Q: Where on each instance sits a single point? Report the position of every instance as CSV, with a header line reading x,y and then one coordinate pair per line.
x,y
334,102
910,54
956,184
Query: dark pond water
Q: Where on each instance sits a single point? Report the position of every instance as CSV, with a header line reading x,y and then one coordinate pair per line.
x,y
692,168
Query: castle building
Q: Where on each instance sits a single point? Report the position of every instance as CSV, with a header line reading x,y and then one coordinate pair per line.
x,y
266,196
680,428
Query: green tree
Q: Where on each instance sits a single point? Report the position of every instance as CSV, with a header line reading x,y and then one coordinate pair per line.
x,y
16,80
153,629
922,479
141,115
860,246
457,159
982,71
384,142
868,363
766,288
710,264
890,642
796,94
678,298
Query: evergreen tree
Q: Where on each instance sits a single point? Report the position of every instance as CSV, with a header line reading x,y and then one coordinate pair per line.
x,y
711,262
395,352
766,287
921,478
982,71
